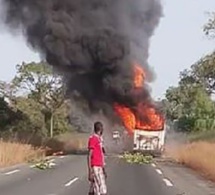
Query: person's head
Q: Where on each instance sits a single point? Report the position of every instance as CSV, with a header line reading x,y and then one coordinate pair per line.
x,y
98,128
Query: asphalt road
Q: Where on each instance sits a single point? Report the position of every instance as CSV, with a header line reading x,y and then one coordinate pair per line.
x,y
69,177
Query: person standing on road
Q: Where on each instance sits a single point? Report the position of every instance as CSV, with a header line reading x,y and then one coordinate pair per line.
x,y
96,164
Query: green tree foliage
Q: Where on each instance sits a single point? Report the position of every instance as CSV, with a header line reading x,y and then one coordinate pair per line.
x,y
61,119
37,103
8,116
34,123
7,90
43,87
38,80
201,73
191,107
190,104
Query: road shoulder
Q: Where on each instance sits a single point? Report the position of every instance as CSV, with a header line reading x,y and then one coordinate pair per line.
x,y
184,179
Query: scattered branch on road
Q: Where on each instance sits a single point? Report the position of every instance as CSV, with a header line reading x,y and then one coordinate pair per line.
x,y
137,158
44,164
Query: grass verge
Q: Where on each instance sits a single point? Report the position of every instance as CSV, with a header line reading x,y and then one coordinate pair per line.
x,y
199,156
12,153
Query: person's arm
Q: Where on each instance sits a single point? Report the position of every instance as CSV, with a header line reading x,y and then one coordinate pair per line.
x,y
89,165
91,144
89,160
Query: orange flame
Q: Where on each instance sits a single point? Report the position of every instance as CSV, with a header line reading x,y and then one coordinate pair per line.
x,y
153,121
127,116
139,76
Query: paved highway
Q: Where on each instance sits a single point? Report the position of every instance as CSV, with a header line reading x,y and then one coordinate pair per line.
x,y
69,177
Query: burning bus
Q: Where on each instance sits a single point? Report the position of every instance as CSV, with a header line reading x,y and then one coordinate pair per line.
x,y
144,122
149,141
148,136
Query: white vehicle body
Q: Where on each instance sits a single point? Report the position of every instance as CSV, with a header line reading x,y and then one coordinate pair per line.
x,y
116,135
149,141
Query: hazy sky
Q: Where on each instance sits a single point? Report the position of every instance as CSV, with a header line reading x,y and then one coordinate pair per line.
x,y
178,43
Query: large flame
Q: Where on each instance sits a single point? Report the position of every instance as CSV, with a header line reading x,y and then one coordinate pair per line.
x,y
139,76
146,117
127,116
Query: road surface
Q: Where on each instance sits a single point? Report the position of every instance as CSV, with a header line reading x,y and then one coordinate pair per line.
x,y
69,177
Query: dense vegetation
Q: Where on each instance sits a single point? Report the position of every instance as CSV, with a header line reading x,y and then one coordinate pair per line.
x,y
33,104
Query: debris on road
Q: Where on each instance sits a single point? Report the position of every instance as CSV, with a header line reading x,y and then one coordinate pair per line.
x,y
137,158
44,164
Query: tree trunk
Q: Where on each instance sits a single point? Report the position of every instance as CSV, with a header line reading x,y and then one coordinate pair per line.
x,y
51,125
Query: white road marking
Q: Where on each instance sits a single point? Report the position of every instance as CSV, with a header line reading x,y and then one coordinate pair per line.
x,y
12,172
168,182
71,182
159,171
62,156
154,165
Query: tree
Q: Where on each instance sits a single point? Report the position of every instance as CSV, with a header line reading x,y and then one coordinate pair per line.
x,y
209,28
201,73
43,86
189,105
62,119
34,123
173,103
8,116
8,91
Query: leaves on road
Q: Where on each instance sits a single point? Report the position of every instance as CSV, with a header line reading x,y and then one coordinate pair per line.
x,y
136,158
44,164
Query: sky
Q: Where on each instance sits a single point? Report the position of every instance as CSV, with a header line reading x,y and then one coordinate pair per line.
x,y
178,42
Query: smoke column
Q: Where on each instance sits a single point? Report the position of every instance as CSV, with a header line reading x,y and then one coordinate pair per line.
x,y
93,43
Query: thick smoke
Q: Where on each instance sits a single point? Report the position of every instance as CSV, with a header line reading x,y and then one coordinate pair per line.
x,y
93,43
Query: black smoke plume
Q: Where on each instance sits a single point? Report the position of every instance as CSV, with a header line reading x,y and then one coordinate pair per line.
x,y
93,43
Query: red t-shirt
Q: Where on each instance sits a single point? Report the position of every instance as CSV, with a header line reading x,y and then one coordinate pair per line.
x,y
95,144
